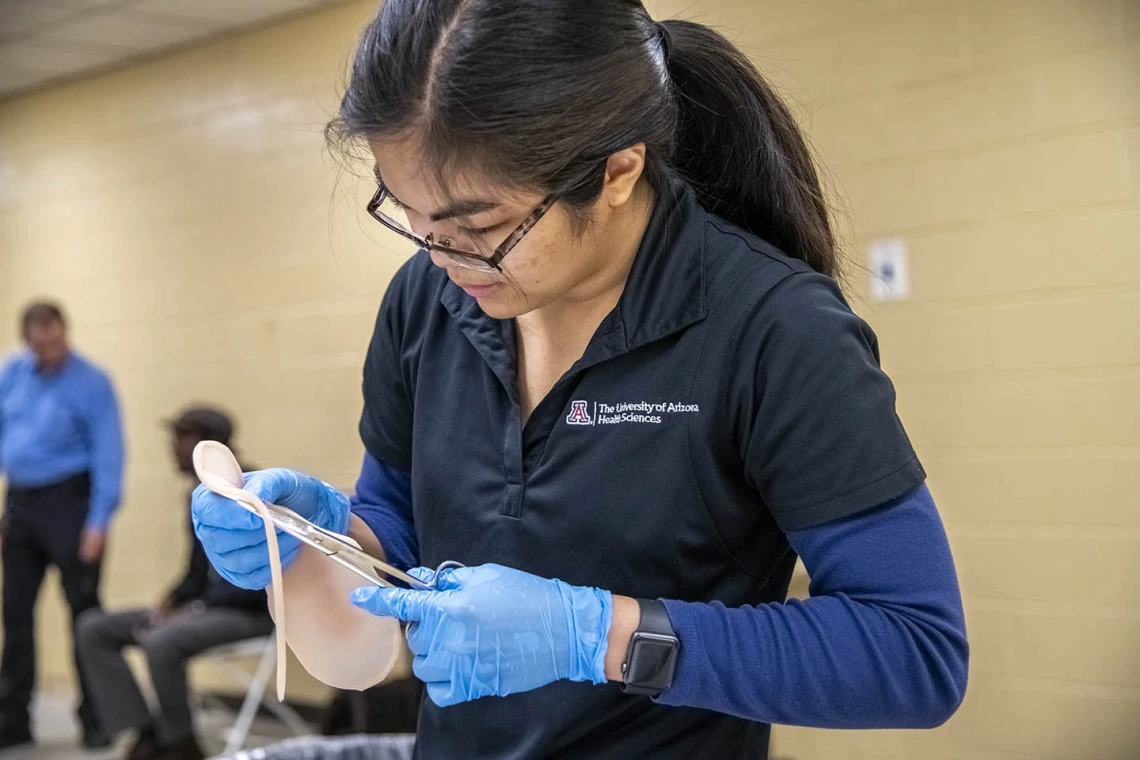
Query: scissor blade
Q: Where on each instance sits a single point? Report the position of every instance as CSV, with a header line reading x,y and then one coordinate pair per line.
x,y
364,573
361,557
300,529
336,547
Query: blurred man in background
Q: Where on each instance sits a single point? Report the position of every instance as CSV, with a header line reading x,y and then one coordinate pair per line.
x,y
201,611
61,448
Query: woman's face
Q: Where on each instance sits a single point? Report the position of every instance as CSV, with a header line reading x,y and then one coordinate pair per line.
x,y
548,264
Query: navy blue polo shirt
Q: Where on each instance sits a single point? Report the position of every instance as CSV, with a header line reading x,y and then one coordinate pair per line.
x,y
730,396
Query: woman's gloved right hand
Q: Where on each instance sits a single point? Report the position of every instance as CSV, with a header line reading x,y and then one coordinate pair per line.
x,y
234,537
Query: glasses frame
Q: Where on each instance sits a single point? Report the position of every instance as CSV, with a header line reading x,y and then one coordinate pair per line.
x,y
468,259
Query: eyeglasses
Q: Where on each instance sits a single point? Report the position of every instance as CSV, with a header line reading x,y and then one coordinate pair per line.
x,y
468,259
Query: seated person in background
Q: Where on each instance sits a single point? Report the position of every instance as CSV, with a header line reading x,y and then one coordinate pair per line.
x,y
201,612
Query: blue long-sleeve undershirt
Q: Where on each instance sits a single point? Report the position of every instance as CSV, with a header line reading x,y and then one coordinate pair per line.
x,y
383,500
881,643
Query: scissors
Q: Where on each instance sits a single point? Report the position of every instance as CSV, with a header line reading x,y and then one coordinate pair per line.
x,y
345,551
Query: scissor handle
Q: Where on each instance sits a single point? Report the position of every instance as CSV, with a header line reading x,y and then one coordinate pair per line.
x,y
445,565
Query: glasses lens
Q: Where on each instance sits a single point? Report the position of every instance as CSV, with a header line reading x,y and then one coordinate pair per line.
x,y
395,213
444,234
468,262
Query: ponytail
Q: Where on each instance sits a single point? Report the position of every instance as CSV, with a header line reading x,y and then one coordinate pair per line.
x,y
740,148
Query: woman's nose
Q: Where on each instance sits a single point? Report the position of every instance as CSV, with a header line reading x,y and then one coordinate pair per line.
x,y
439,259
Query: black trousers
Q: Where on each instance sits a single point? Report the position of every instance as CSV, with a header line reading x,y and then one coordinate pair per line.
x,y
42,527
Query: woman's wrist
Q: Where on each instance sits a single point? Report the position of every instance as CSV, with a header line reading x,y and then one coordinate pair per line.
x,y
626,618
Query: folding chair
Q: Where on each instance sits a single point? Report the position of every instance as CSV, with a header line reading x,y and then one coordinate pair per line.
x,y
256,695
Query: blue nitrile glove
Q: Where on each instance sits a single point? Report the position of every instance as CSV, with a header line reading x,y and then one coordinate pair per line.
x,y
492,630
234,538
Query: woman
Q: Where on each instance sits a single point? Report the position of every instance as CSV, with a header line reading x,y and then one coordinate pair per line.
x,y
620,359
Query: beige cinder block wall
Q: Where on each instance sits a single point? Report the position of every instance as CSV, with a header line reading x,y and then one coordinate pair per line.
x,y
999,138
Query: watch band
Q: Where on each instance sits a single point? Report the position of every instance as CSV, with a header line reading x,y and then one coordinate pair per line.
x,y
651,656
654,618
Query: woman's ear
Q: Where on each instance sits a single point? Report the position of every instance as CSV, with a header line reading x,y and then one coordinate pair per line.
x,y
623,170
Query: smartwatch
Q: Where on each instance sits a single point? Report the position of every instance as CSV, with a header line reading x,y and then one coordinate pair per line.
x,y
652,654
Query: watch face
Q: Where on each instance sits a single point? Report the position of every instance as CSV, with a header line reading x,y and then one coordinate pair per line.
x,y
652,660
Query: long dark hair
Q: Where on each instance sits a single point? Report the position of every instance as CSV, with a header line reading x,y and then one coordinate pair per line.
x,y
536,94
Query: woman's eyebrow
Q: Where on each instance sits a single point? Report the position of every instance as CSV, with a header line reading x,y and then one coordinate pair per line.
x,y
463,208
468,207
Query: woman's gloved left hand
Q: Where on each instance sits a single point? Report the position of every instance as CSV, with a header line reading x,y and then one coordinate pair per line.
x,y
491,630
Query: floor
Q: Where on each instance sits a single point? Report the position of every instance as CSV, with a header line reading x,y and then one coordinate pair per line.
x,y
57,735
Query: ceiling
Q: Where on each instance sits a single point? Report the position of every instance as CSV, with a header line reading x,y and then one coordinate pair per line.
x,y
45,41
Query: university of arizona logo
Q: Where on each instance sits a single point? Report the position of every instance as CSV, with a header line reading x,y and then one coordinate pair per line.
x,y
579,414
627,412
